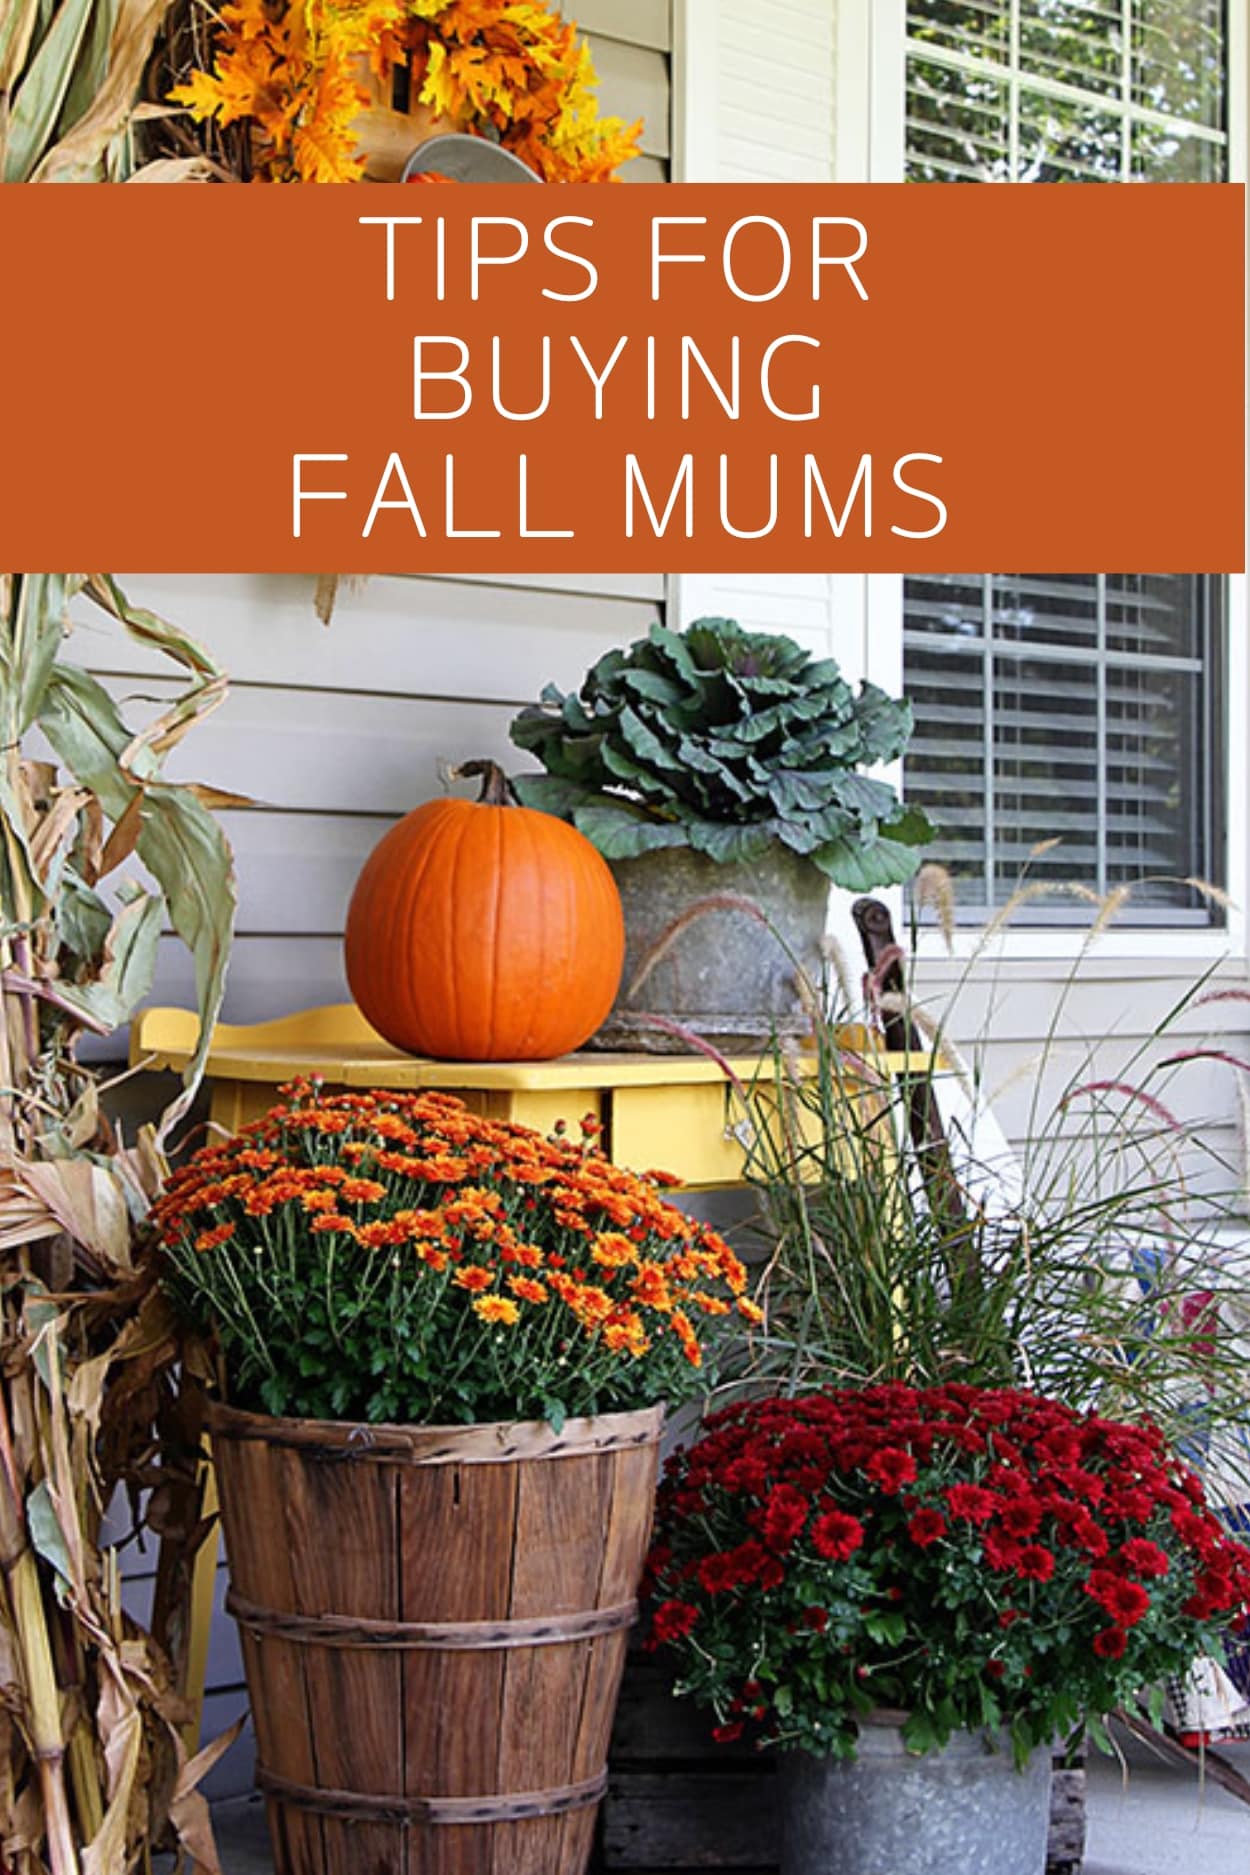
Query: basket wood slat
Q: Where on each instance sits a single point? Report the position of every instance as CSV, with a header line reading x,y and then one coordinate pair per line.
x,y
434,1643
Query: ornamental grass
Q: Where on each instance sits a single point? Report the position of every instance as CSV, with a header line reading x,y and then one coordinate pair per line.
x,y
393,1257
906,1241
970,1557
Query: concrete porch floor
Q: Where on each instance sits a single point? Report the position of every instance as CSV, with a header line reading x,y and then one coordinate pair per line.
x,y
1158,1823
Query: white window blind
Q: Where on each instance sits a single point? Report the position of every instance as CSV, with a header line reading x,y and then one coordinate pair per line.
x,y
1080,709
1072,709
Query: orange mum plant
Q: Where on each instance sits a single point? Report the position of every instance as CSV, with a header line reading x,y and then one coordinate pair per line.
x,y
392,1257
510,70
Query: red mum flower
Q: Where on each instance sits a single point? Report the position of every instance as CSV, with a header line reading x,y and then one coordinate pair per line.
x,y
891,1469
728,1734
1036,1564
1001,1552
1125,1602
719,1573
1194,1531
1110,1644
837,1535
784,1516
971,1503
926,1527
1143,1558
817,1619
1021,1517
673,1621
1089,1536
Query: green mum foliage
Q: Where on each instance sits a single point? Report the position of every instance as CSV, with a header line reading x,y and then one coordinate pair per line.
x,y
724,741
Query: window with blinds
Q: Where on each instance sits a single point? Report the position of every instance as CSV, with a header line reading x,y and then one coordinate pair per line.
x,y
1080,710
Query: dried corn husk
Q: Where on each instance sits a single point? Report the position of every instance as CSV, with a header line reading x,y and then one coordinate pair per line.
x,y
97,1392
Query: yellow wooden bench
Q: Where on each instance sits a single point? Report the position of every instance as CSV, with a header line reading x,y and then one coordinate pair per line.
x,y
677,1113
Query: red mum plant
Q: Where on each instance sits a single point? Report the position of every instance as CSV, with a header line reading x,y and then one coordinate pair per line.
x,y
972,1557
397,1257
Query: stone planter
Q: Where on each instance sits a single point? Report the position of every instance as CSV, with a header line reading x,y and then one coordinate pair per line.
x,y
966,1808
697,954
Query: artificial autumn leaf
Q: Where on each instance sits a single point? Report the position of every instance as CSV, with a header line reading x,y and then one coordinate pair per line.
x,y
201,95
323,145
513,69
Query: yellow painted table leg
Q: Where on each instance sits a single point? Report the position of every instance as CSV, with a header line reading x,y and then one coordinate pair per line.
x,y
203,1589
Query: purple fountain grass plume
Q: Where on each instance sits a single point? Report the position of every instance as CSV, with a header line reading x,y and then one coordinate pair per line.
x,y
1206,1054
1128,1092
701,1045
714,901
1220,996
893,956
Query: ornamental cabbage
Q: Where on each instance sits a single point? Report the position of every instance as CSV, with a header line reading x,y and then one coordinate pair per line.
x,y
726,741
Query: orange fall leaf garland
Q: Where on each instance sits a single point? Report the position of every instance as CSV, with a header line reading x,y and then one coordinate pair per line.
x,y
511,70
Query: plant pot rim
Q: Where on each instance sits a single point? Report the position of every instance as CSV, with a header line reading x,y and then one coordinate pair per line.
x,y
880,1734
492,1442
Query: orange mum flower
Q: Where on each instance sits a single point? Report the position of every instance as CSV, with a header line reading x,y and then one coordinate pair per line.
x,y
711,1305
528,1290
650,1288
613,1250
361,1191
627,1337
330,1223
319,1200
497,1309
485,1202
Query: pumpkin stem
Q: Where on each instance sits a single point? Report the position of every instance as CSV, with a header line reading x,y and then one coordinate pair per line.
x,y
497,790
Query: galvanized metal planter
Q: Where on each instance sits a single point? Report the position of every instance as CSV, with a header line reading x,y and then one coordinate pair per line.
x,y
717,949
964,1808
678,1802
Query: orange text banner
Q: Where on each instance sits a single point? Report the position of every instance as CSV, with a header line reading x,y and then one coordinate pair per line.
x,y
579,379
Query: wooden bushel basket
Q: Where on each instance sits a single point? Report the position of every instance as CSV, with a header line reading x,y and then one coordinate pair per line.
x,y
434,1623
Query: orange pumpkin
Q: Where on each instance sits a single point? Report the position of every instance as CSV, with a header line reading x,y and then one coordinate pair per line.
x,y
483,931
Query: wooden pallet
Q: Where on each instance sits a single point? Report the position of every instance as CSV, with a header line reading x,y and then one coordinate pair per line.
x,y
677,1802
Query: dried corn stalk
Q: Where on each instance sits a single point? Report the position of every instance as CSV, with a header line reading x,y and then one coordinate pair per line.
x,y
93,1394
71,79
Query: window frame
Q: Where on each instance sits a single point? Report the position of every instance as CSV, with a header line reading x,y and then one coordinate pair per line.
x,y
871,147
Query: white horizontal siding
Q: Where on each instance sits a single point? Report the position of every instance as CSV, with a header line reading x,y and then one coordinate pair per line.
x,y
335,731
636,22
391,635
631,43
1022,1022
634,83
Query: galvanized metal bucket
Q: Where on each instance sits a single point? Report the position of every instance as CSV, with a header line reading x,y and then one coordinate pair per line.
x,y
965,1810
717,949
459,157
